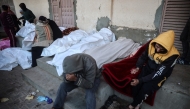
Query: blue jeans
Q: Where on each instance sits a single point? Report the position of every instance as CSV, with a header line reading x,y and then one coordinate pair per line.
x,y
67,87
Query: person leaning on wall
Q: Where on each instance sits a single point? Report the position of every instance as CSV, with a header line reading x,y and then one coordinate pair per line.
x,y
156,64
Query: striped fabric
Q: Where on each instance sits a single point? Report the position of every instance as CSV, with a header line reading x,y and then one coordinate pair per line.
x,y
47,31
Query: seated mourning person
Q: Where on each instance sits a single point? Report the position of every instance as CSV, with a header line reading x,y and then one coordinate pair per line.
x,y
55,29
43,38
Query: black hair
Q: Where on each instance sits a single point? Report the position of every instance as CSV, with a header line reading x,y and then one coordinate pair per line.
x,y
42,18
23,6
164,49
4,7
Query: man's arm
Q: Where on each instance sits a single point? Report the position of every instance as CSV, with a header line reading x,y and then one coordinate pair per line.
x,y
142,59
32,16
21,18
88,80
161,70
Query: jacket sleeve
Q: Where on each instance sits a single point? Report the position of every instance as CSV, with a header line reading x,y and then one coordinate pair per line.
x,y
143,58
21,18
88,80
161,70
32,16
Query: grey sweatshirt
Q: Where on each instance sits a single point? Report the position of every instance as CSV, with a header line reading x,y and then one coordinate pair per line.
x,y
84,67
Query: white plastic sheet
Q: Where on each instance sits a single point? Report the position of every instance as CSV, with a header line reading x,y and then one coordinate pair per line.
x,y
62,44
97,39
28,33
11,57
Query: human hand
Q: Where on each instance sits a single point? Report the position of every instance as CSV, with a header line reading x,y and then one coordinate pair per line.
x,y
134,82
71,77
134,70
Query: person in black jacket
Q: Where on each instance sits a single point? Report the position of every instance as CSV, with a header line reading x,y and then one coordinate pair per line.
x,y
55,29
185,39
160,58
27,14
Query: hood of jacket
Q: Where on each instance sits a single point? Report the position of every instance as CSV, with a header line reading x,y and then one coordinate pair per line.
x,y
166,39
73,64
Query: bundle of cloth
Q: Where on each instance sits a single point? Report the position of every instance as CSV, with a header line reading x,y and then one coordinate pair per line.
x,y
76,42
27,32
4,43
118,76
12,57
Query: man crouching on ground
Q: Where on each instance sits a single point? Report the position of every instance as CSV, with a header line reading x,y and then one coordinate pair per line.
x,y
80,70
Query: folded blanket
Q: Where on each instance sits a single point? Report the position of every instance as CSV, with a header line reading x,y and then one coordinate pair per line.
x,y
118,75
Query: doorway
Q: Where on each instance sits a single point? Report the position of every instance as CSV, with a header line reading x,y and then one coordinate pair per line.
x,y
63,12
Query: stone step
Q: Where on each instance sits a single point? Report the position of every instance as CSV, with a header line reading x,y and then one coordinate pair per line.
x,y
42,81
41,62
48,85
174,94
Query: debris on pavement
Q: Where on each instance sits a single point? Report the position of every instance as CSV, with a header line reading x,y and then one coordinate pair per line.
x,y
44,98
29,97
4,99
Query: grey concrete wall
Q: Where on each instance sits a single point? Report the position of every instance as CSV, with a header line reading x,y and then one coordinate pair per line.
x,y
103,22
158,16
50,10
138,35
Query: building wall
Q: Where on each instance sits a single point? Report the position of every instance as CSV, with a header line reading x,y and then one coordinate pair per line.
x,y
38,7
88,12
135,13
135,19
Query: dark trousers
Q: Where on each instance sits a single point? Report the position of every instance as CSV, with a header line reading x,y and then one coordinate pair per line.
x,y
11,34
36,53
67,87
186,50
143,90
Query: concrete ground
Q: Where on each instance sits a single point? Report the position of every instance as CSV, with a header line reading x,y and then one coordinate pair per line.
x,y
13,87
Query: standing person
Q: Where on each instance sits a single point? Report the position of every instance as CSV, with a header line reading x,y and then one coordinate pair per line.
x,y
8,24
80,70
185,39
15,19
27,14
160,58
55,29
